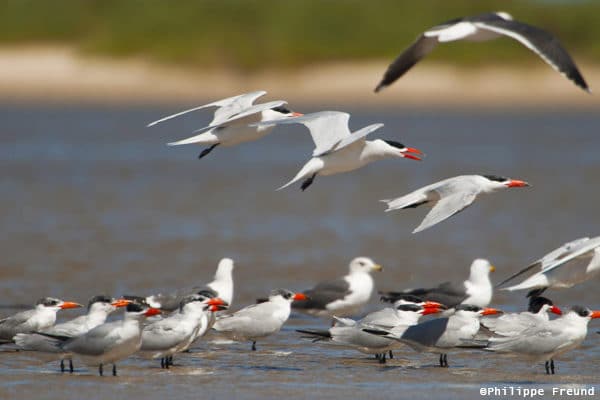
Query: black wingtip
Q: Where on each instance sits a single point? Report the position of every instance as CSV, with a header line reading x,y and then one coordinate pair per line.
x,y
379,88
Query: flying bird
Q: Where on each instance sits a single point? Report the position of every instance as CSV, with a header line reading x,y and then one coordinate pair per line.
x,y
341,297
476,290
485,27
337,149
232,119
450,196
564,267
41,317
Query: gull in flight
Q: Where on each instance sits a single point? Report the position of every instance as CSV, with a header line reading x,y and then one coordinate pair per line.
x,y
485,27
450,196
337,149
232,120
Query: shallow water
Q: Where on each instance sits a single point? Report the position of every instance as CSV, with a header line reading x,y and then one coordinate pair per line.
x,y
93,202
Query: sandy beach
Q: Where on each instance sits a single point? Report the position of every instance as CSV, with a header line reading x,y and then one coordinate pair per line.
x,y
61,75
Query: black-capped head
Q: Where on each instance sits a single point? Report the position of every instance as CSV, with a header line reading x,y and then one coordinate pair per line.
x,y
207,293
496,178
100,299
191,299
281,109
48,302
581,311
410,298
468,307
409,307
395,144
286,294
536,304
135,307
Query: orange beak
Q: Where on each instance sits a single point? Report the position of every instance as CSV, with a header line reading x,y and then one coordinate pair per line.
x,y
595,314
433,304
555,310
215,301
516,183
152,311
300,296
296,114
430,310
70,304
217,308
120,302
490,311
406,153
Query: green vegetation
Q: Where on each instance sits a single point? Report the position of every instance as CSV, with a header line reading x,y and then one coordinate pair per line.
x,y
251,34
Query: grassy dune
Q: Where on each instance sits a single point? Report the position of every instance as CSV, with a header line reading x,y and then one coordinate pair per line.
x,y
251,34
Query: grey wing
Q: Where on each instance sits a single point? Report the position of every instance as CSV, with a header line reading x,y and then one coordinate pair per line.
x,y
405,61
16,323
540,42
448,293
386,318
227,107
425,334
74,327
323,294
446,207
353,138
96,341
531,341
163,334
584,249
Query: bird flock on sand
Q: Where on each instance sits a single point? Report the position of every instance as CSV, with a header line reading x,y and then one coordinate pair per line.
x,y
449,317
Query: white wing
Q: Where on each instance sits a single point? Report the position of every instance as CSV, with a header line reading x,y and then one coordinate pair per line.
x,y
227,107
354,137
447,207
583,250
327,128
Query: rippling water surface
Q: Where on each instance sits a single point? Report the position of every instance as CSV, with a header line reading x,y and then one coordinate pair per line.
x,y
93,202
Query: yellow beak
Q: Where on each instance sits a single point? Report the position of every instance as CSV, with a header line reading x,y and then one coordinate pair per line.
x,y
377,267
492,268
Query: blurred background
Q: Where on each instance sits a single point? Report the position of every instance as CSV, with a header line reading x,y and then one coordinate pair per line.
x,y
94,202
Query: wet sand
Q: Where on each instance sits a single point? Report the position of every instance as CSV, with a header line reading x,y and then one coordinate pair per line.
x,y
93,202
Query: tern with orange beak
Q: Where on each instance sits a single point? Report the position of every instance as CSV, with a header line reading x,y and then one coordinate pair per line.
x,y
232,121
41,317
545,342
442,334
337,149
111,341
99,307
450,196
258,320
176,333
348,332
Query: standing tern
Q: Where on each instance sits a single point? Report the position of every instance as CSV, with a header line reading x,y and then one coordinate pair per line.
x,y
232,119
98,309
476,290
111,341
545,342
442,334
450,196
38,318
222,285
176,333
485,27
348,332
342,297
512,324
258,320
337,149
564,267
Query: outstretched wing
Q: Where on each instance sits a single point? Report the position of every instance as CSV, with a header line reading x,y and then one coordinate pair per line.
x,y
447,207
227,107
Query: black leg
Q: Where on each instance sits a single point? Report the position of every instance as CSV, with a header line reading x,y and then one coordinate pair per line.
x,y
377,356
206,151
391,355
170,360
552,366
71,369
441,360
307,182
547,365
62,365
162,362
382,358
100,369
254,346
114,369
444,360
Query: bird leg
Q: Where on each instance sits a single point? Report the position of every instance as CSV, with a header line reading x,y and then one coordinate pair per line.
x,y
441,360
100,369
162,363
547,366
445,361
391,355
208,150
552,366
71,369
254,346
114,369
308,182
170,360
377,356
62,365
382,358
